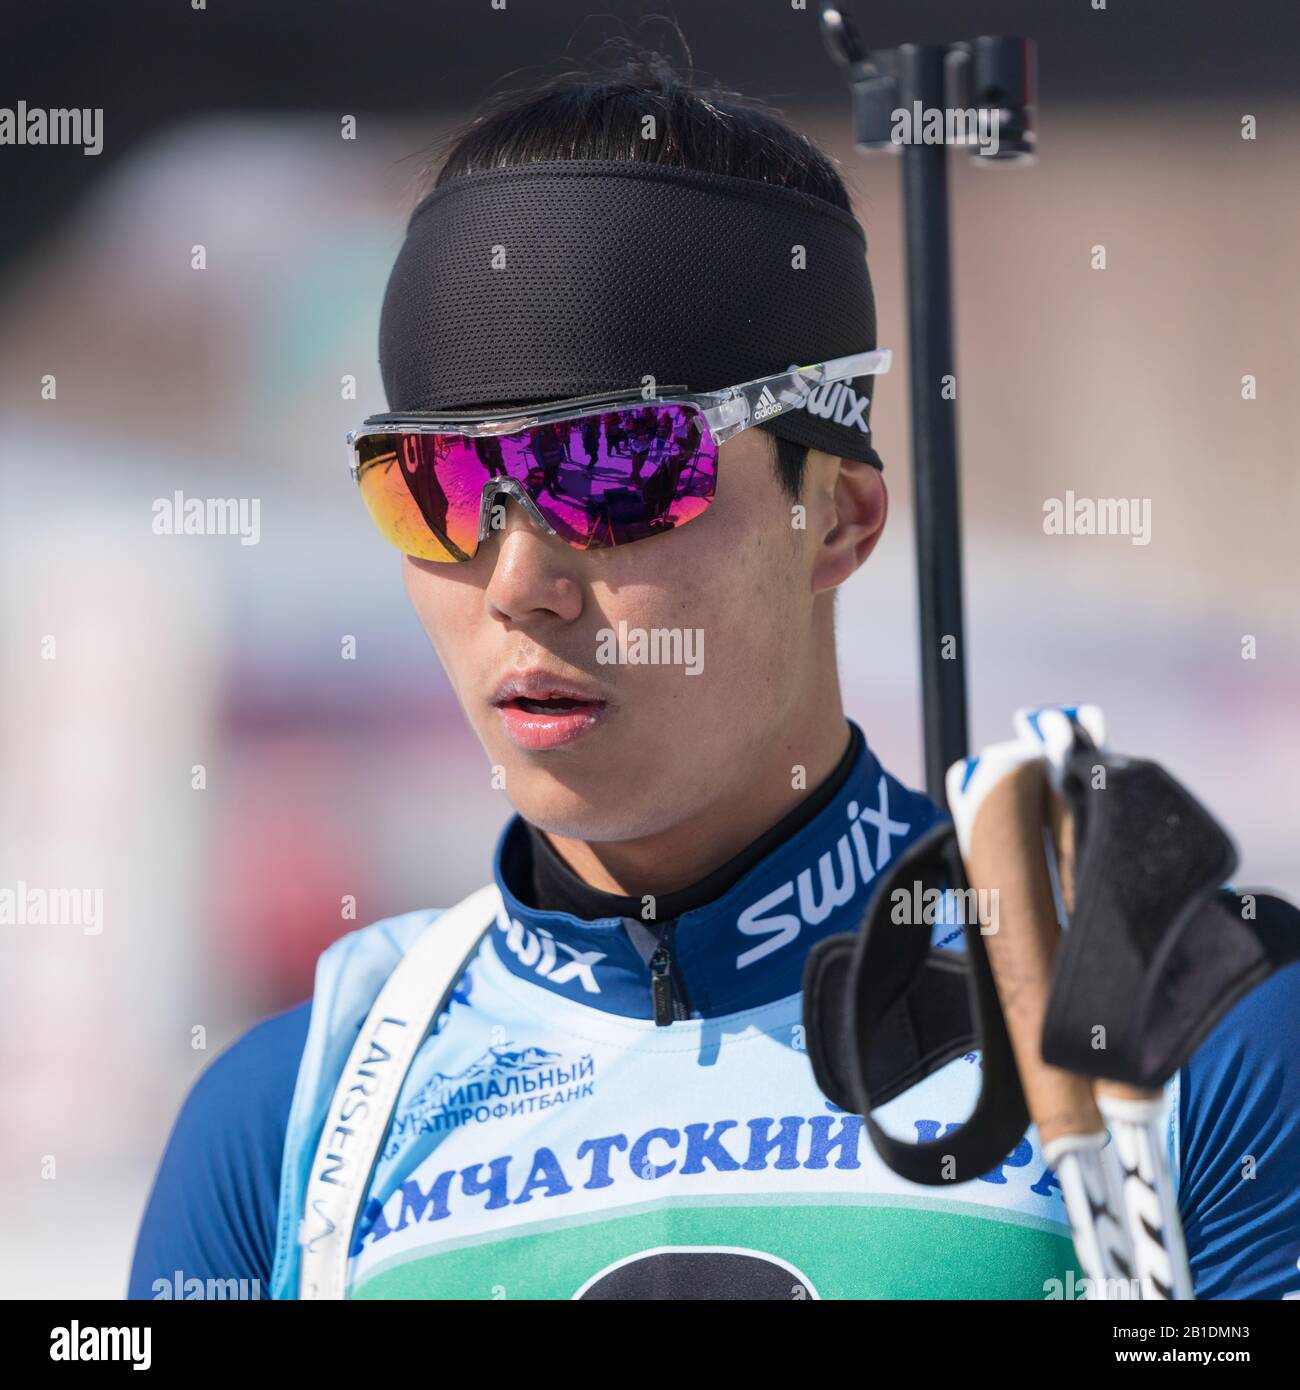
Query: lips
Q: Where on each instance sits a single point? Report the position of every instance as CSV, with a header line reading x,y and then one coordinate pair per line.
x,y
539,711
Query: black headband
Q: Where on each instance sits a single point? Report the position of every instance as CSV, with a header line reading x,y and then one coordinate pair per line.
x,y
562,278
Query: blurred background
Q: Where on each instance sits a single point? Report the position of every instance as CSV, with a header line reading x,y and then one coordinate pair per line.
x,y
328,777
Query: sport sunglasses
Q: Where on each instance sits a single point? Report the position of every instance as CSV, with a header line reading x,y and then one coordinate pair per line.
x,y
594,470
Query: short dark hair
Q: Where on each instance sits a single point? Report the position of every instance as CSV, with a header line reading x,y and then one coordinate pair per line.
x,y
597,114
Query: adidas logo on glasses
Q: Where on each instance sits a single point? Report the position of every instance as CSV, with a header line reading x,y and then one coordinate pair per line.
x,y
767,405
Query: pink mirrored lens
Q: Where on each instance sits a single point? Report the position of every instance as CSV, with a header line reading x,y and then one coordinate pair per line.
x,y
599,480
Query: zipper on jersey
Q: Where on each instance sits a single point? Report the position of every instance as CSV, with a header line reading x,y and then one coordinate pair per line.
x,y
664,996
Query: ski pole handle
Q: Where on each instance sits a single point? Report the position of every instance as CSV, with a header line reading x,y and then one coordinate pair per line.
x,y
999,814
999,805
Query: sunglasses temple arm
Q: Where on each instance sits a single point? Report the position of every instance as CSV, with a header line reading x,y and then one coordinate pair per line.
x,y
755,401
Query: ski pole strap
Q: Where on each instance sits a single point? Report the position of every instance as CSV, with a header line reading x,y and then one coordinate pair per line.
x,y
925,1029
1157,953
883,1010
361,1109
1126,1220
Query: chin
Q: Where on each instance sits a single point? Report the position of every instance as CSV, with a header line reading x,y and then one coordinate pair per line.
x,y
578,815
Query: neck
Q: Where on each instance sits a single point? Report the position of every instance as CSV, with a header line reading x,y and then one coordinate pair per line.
x,y
684,853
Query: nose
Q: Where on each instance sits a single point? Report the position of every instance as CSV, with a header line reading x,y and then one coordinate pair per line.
x,y
534,574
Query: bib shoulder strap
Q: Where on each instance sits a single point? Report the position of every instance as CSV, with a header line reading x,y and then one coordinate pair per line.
x,y
359,1114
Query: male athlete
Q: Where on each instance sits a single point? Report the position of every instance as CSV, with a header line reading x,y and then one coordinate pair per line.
x,y
654,304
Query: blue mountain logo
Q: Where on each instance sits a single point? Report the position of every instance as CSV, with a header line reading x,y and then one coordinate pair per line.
x,y
503,1058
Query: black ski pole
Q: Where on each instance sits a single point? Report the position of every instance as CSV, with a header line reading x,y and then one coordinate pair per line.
x,y
994,77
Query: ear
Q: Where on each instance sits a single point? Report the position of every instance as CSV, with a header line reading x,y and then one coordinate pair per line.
x,y
849,506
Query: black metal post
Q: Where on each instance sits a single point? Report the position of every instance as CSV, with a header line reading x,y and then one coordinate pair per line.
x,y
993,76
934,424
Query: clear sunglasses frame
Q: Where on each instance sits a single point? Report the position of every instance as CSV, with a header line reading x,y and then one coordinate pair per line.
x,y
725,412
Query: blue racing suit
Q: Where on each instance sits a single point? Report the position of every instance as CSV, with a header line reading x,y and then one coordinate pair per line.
x,y
552,1140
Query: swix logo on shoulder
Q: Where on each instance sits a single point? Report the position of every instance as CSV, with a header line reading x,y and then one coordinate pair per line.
x,y
856,869
555,961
